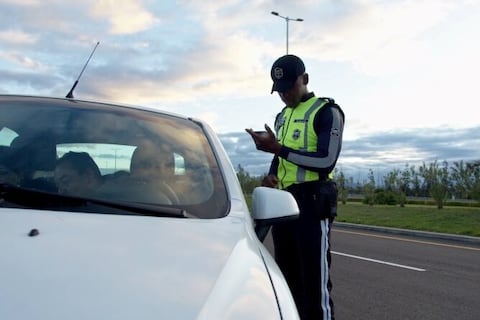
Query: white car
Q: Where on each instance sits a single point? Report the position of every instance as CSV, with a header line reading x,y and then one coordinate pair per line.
x,y
122,212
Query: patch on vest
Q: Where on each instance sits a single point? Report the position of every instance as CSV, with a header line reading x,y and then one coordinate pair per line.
x,y
279,123
296,134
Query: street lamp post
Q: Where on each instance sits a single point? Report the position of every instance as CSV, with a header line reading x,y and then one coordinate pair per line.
x,y
287,20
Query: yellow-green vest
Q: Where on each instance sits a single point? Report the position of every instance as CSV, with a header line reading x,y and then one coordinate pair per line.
x,y
294,128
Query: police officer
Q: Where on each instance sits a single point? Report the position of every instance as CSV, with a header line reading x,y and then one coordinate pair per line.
x,y
306,147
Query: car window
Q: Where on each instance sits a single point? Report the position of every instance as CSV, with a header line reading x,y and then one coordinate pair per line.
x,y
7,136
111,152
109,158
102,153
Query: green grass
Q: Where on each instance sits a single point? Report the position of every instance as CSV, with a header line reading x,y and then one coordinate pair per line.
x,y
460,220
451,220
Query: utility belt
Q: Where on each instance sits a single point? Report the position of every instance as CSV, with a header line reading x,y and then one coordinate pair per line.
x,y
316,199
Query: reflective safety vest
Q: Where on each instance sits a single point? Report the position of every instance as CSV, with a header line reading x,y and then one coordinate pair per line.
x,y
294,129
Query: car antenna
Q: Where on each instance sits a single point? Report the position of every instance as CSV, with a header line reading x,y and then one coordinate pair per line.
x,y
70,93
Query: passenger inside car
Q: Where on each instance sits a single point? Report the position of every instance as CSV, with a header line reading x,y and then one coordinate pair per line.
x,y
152,171
9,176
155,165
77,174
32,156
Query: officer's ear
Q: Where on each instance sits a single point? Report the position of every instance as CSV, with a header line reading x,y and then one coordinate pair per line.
x,y
305,78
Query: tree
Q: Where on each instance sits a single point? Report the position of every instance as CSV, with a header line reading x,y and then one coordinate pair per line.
x,y
342,187
246,182
475,172
369,189
437,180
462,177
405,181
416,189
395,185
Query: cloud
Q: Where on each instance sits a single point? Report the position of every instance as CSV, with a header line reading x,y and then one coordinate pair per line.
x,y
378,37
32,80
23,2
380,151
124,16
22,61
393,66
17,36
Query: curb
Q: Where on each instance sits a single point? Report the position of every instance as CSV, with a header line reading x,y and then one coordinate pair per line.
x,y
417,233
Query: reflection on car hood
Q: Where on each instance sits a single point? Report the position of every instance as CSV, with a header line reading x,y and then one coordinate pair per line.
x,y
84,266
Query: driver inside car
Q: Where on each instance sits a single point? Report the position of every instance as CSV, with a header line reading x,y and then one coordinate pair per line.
x,y
150,162
151,173
155,166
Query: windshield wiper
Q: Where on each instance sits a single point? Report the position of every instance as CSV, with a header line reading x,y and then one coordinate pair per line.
x,y
37,199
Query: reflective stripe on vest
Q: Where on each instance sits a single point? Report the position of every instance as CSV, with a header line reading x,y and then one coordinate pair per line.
x,y
294,129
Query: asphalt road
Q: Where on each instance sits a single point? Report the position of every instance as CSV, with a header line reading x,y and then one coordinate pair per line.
x,y
384,276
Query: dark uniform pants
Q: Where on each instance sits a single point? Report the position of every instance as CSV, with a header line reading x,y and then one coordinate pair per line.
x,y
302,249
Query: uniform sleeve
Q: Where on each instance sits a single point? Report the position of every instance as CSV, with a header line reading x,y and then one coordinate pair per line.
x,y
328,125
273,166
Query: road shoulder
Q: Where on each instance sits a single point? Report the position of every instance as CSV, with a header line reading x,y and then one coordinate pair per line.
x,y
418,233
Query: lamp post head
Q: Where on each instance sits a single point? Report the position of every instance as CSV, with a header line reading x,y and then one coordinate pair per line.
x,y
287,19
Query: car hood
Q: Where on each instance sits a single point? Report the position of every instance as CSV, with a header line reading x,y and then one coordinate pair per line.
x,y
101,266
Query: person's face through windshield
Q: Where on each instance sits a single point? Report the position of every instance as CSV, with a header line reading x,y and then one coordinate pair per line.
x,y
8,176
71,182
150,162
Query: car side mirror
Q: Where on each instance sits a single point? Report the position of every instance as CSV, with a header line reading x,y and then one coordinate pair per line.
x,y
271,206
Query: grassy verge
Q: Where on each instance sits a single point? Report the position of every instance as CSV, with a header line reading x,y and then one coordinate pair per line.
x,y
451,220
461,220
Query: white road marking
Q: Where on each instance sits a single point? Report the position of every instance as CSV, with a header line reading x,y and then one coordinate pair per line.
x,y
379,261
439,244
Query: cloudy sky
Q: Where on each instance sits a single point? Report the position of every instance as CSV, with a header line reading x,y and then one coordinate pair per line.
x,y
406,72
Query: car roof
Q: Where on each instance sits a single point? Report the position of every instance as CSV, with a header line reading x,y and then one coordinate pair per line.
x,y
61,100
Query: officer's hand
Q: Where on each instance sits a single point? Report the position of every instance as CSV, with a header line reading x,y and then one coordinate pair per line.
x,y
265,140
270,181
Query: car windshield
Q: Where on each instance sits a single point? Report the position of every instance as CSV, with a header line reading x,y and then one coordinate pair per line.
x,y
108,152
